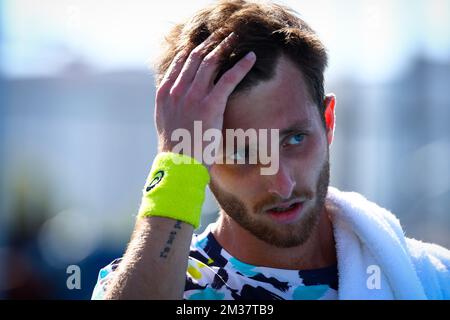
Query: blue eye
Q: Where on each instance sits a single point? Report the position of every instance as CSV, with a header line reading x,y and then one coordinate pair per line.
x,y
296,139
240,155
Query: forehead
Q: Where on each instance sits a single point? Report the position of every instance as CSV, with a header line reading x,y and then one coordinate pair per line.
x,y
276,103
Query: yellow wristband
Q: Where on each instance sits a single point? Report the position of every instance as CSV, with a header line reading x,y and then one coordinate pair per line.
x,y
175,188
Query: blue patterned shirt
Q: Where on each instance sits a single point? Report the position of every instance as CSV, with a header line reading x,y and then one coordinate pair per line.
x,y
214,274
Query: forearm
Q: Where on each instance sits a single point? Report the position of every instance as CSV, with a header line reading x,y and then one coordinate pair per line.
x,y
154,265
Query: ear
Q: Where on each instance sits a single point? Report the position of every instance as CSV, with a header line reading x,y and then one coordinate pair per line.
x,y
330,103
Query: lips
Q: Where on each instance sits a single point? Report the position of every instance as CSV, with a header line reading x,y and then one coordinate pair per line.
x,y
285,213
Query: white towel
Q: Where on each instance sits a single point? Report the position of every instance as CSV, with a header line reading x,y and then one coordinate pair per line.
x,y
370,239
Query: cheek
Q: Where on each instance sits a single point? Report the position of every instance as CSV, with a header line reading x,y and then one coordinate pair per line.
x,y
239,180
308,162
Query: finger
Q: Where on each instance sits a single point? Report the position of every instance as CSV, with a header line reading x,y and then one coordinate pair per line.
x,y
209,66
230,79
190,67
173,71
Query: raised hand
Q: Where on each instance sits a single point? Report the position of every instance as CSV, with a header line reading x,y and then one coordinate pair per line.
x,y
187,92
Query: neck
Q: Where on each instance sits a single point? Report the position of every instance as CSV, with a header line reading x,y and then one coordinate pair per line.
x,y
317,252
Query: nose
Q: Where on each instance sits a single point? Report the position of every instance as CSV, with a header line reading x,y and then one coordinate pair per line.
x,y
282,183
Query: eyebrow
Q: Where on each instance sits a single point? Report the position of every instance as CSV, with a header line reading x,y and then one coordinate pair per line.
x,y
295,127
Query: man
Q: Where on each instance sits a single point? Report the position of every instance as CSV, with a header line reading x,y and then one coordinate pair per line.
x,y
284,235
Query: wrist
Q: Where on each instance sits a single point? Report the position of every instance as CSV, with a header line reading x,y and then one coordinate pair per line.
x,y
167,148
175,188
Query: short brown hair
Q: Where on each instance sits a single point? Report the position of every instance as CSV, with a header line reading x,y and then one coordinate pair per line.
x,y
268,29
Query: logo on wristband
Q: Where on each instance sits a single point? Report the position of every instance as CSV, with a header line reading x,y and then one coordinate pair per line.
x,y
158,177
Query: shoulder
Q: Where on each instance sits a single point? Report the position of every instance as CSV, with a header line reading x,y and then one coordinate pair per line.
x,y
104,278
432,264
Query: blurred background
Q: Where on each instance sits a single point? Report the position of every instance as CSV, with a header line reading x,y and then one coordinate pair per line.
x,y
77,135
